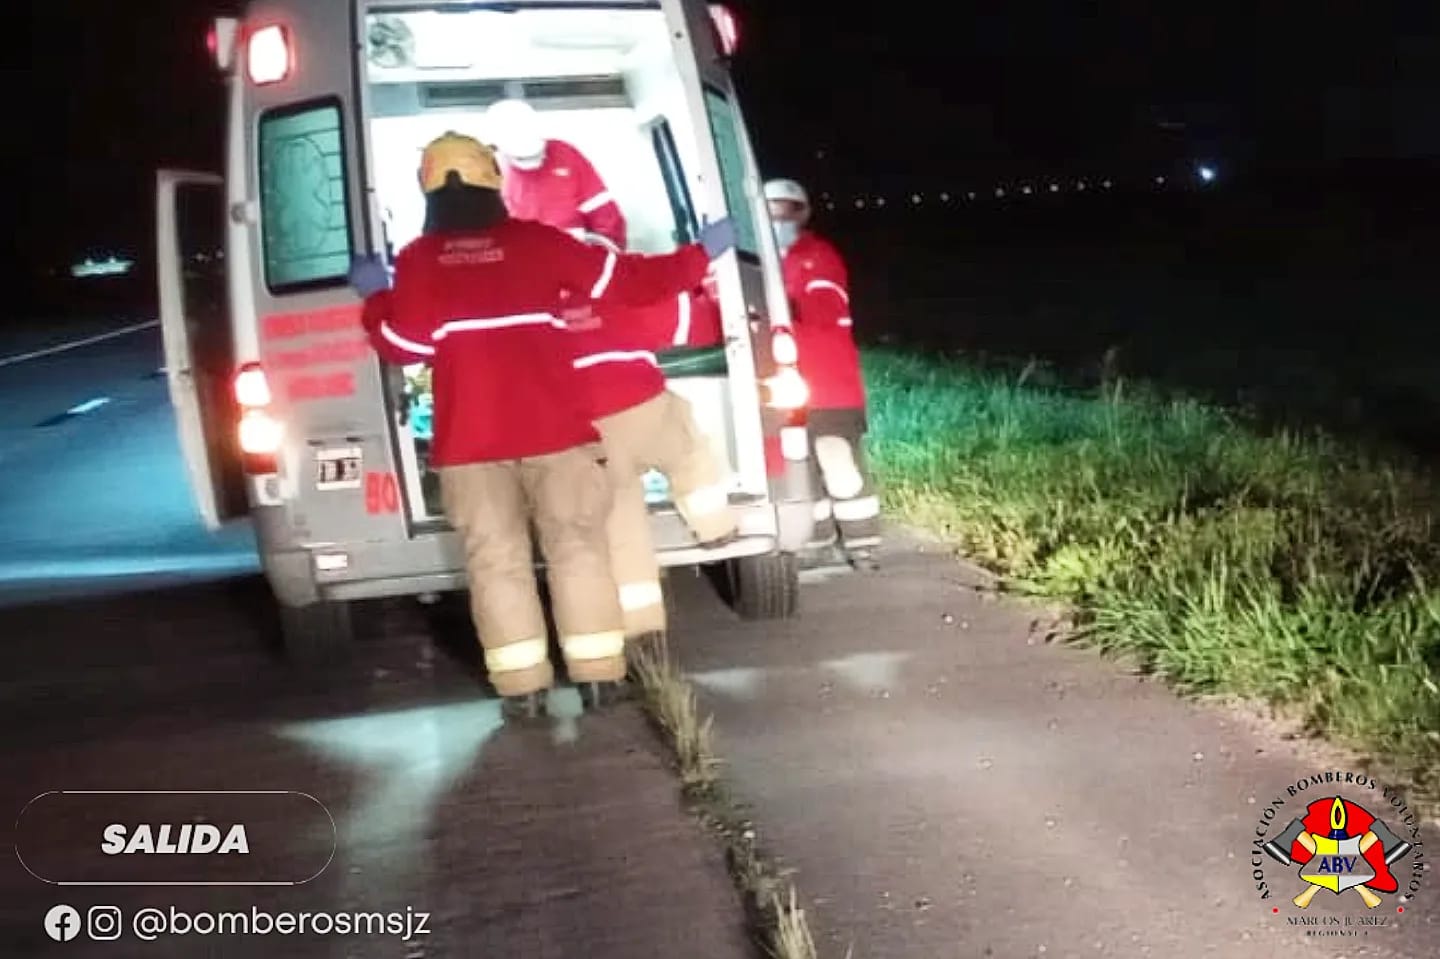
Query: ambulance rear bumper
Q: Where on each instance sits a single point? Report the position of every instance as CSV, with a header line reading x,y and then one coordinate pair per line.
x,y
434,562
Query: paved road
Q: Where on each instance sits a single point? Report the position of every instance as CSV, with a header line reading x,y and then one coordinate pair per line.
x,y
139,661
946,784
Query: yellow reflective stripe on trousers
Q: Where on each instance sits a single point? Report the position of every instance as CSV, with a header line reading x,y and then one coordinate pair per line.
x,y
594,645
706,499
641,595
525,654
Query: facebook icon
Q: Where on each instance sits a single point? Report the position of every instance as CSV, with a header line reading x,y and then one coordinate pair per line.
x,y
62,923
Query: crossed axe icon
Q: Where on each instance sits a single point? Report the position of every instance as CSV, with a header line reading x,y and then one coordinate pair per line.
x,y
1279,850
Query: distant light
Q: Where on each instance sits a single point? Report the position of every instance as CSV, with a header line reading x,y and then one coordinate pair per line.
x,y
1207,174
944,198
112,266
829,206
970,195
1106,184
1080,185
1160,180
1026,190
999,191
915,198
879,201
1054,188
860,203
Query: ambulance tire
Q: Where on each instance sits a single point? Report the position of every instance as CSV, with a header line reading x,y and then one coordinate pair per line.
x,y
318,633
766,587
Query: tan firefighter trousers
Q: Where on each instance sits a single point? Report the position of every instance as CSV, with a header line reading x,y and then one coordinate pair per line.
x,y
567,496
659,434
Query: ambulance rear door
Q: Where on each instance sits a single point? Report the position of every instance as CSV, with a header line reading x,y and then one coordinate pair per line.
x,y
196,328
729,185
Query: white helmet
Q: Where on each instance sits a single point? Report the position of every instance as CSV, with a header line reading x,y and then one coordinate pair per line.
x,y
787,190
514,128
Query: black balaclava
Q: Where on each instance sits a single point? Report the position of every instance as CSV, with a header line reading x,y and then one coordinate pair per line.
x,y
457,206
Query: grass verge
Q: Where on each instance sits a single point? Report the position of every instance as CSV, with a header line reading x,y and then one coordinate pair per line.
x,y
1275,566
776,920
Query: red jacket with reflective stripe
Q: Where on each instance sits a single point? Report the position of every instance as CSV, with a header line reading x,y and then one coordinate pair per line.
x,y
817,285
564,192
616,347
482,308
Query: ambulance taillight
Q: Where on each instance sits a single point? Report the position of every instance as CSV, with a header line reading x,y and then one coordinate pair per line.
x,y
787,388
269,54
726,27
788,393
260,432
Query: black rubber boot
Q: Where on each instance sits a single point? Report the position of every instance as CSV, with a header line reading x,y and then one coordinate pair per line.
x,y
600,695
528,708
862,560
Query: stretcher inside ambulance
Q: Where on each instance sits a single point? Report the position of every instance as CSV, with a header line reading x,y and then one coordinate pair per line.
x,y
331,103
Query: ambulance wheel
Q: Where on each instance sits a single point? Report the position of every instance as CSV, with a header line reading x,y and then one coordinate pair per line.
x,y
319,632
766,587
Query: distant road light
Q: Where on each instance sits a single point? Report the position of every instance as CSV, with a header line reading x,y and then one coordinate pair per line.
x,y
1106,184
915,198
1054,188
1207,173
860,203
970,195
999,191
1160,180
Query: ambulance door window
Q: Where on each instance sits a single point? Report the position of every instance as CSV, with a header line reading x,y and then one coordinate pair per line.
x,y
304,210
676,189
730,151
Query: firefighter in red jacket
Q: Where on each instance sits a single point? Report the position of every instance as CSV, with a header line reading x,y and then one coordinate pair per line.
x,y
645,426
550,181
817,286
477,296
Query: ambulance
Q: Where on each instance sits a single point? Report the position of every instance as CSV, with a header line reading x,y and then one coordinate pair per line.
x,y
285,413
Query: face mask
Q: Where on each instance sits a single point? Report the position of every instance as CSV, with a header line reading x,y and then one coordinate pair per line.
x,y
786,233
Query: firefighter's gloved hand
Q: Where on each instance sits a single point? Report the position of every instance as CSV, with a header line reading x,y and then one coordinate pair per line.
x,y
368,275
718,237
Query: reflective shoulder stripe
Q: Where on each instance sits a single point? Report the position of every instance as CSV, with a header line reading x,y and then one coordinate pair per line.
x,y
410,346
596,202
615,356
682,325
497,323
814,285
607,272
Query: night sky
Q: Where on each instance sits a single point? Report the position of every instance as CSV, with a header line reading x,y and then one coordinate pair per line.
x,y
970,90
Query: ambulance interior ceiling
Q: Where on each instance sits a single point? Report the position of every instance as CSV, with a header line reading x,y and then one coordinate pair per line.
x,y
597,77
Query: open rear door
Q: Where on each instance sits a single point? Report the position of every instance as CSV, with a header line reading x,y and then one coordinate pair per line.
x,y
730,186
199,346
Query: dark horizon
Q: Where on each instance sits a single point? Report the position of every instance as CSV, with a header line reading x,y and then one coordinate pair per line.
x,y
1038,90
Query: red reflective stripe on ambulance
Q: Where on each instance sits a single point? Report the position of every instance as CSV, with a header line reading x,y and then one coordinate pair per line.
x,y
320,387
330,319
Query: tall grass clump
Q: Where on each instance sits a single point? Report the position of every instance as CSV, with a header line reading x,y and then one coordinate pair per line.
x,y
1276,566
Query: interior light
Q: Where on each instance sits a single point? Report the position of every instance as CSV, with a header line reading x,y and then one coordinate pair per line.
x,y
269,55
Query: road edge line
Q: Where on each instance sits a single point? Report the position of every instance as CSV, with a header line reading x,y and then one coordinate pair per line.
x,y
778,926
14,358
